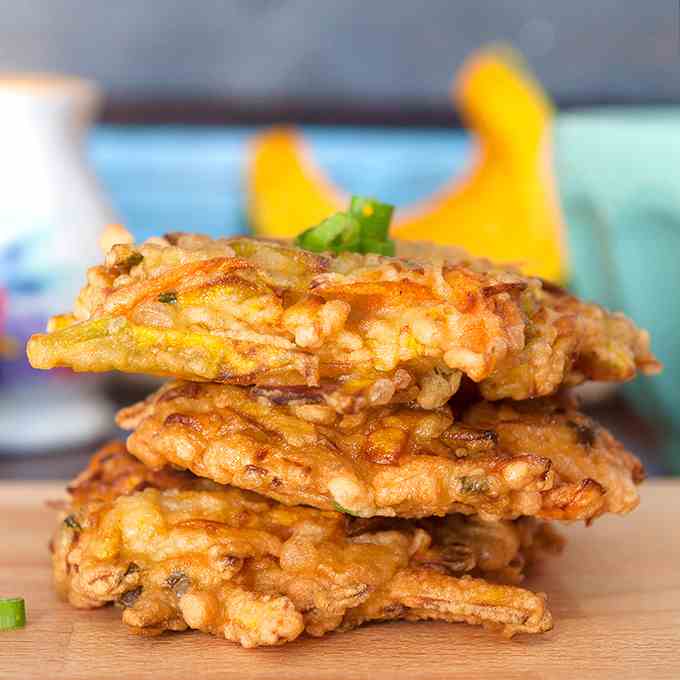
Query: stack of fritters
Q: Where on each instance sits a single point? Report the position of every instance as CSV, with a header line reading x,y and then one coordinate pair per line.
x,y
402,421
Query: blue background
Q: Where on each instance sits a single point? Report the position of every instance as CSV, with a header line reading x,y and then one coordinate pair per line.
x,y
182,178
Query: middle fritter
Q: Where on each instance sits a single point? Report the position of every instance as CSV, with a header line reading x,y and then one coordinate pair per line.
x,y
498,460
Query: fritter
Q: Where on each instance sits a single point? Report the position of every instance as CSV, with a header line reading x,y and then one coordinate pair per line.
x,y
362,328
244,567
499,460
112,472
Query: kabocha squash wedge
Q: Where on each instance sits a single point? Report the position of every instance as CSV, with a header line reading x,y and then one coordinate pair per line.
x,y
507,206
504,207
287,192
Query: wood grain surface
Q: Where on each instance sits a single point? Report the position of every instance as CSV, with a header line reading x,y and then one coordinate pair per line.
x,y
614,594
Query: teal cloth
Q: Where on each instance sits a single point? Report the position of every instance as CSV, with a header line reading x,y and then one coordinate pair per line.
x,y
619,178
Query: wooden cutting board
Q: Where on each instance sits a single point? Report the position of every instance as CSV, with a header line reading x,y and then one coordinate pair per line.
x,y
614,594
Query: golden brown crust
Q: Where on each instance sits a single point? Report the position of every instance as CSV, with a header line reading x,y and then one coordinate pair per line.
x,y
370,329
569,341
112,472
390,460
600,471
246,568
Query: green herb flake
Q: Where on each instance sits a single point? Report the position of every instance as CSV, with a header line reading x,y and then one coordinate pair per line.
x,y
168,298
179,582
132,568
72,523
132,260
339,508
585,434
473,485
129,597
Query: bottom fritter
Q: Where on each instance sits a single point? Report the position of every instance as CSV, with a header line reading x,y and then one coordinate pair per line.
x,y
177,552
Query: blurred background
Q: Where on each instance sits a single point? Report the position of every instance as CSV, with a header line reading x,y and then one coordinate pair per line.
x,y
159,136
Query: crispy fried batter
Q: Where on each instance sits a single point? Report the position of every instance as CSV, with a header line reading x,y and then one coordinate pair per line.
x,y
544,459
112,473
600,472
244,567
364,327
568,341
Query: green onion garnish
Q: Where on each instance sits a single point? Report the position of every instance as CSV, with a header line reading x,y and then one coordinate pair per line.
x,y
12,613
338,233
169,298
373,216
363,229
370,245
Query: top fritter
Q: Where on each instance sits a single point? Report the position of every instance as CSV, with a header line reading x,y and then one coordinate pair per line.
x,y
363,329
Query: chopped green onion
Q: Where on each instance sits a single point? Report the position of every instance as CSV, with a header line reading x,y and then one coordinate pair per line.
x,y
339,508
380,247
338,233
12,613
373,216
364,229
168,298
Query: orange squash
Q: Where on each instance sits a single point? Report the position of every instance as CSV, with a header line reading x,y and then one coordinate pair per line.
x,y
504,207
287,192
